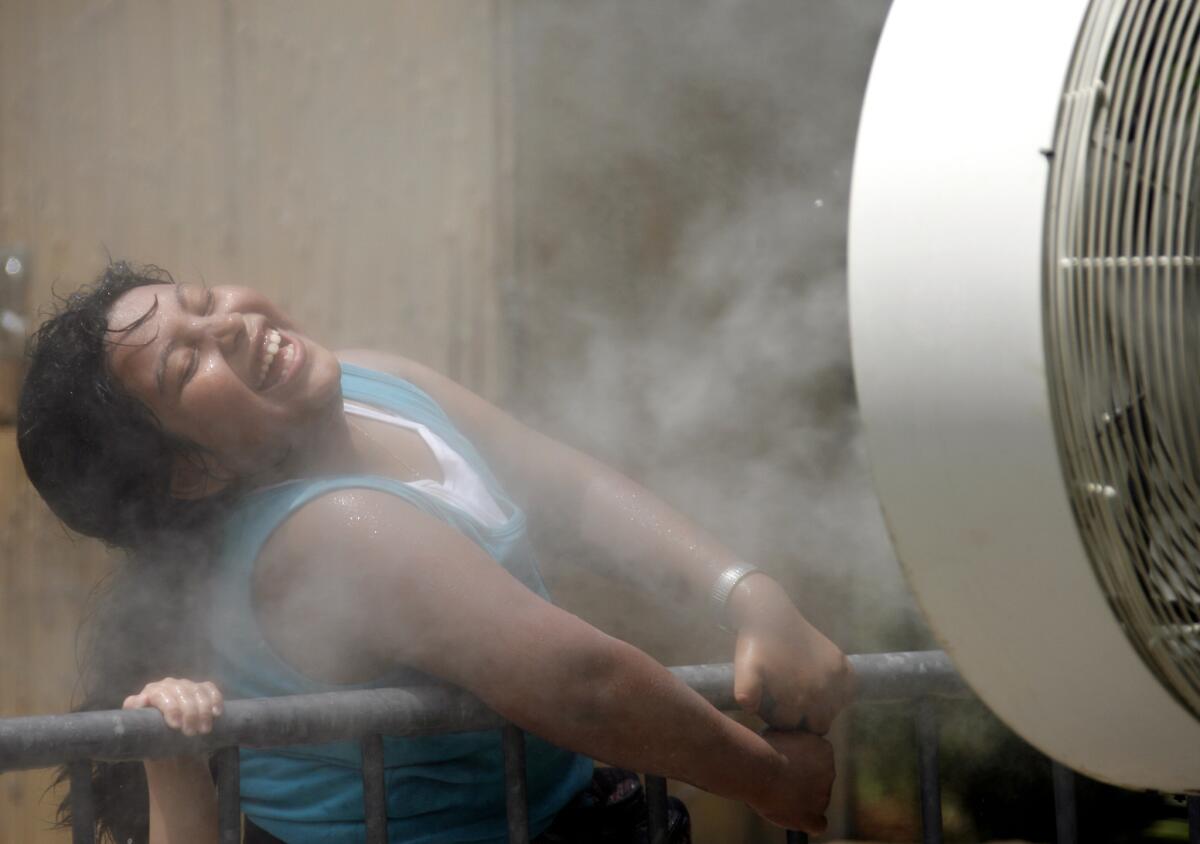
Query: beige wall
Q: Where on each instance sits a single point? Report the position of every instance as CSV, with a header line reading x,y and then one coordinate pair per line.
x,y
678,237
348,158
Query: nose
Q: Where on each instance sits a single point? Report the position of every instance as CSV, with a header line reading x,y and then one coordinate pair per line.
x,y
228,330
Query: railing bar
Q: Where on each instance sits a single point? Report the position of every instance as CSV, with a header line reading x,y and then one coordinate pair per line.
x,y
931,789
516,799
229,790
83,807
1193,809
656,808
374,799
1066,830
40,741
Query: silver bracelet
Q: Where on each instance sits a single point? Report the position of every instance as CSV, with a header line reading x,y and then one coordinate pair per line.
x,y
722,590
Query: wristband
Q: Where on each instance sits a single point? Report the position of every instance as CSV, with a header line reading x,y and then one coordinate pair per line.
x,y
722,591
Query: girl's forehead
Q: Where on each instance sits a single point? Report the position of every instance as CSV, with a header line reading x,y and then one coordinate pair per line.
x,y
136,309
133,326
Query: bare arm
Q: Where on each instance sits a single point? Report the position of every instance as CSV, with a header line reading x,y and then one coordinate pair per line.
x,y
183,802
646,543
786,670
455,613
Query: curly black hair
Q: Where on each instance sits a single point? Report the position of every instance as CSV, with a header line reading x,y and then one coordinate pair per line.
x,y
97,456
103,463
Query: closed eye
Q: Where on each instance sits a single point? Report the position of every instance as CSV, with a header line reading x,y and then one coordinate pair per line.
x,y
192,365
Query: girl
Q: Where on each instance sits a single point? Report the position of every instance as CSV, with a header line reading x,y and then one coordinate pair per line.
x,y
352,520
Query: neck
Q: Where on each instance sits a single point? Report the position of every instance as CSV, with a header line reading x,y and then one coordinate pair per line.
x,y
328,449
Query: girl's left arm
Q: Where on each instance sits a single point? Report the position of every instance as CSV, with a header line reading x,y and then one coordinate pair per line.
x,y
785,669
183,801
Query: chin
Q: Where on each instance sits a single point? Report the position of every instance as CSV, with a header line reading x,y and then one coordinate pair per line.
x,y
325,376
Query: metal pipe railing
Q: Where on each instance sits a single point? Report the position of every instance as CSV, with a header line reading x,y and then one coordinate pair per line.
x,y
367,715
931,787
40,741
229,808
374,789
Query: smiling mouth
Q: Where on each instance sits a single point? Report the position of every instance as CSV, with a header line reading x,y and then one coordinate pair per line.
x,y
278,354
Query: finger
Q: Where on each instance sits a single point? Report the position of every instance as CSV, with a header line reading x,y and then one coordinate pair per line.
x,y
137,701
783,715
167,702
189,707
204,713
215,696
824,714
747,678
819,720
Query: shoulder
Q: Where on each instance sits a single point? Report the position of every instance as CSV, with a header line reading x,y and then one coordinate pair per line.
x,y
363,539
337,565
315,577
359,579
386,362
352,522
447,392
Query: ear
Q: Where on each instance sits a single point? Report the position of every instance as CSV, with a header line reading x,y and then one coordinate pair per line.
x,y
195,476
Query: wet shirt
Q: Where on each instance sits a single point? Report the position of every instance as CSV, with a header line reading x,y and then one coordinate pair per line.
x,y
439,788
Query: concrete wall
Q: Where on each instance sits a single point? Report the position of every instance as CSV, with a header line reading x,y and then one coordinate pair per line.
x,y
349,159
625,220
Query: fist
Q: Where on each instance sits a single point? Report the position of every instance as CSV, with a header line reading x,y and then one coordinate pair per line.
x,y
785,670
185,705
798,795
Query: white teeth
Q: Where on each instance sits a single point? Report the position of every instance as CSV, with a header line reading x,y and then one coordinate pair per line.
x,y
273,341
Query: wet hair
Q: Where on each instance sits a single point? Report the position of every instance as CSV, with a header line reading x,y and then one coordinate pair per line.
x,y
97,456
103,463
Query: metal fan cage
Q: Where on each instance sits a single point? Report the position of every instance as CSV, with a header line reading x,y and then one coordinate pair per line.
x,y
1122,320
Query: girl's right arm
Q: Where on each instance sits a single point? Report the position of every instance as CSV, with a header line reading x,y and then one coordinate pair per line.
x,y
183,802
406,588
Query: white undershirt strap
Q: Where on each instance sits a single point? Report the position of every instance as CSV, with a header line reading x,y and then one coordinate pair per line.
x,y
461,485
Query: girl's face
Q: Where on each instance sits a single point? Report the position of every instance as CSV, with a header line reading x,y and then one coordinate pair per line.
x,y
223,368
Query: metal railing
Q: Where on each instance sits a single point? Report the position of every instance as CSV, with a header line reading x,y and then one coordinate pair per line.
x,y
367,715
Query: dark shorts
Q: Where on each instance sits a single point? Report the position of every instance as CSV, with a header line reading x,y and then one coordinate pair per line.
x,y
611,810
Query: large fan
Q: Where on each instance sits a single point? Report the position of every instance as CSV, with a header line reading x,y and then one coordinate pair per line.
x,y
1025,312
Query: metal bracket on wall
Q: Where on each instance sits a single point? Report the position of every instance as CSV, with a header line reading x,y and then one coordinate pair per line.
x,y
14,288
14,325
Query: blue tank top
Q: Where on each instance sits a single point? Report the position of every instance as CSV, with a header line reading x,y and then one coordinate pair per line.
x,y
447,788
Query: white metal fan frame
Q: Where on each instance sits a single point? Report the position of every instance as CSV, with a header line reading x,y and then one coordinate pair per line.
x,y
947,224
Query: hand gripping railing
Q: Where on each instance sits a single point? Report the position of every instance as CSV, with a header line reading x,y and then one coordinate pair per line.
x,y
367,715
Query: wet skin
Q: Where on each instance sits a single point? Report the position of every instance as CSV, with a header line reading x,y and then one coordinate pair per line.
x,y
196,357
196,362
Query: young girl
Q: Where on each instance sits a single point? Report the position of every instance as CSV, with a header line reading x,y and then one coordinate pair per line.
x,y
352,520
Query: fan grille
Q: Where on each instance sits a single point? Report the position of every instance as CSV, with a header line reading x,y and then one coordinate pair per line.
x,y
1123,320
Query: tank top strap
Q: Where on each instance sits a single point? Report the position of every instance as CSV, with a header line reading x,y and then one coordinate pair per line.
x,y
244,656
406,399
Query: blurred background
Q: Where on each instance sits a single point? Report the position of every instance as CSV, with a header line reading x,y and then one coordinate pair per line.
x,y
623,221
